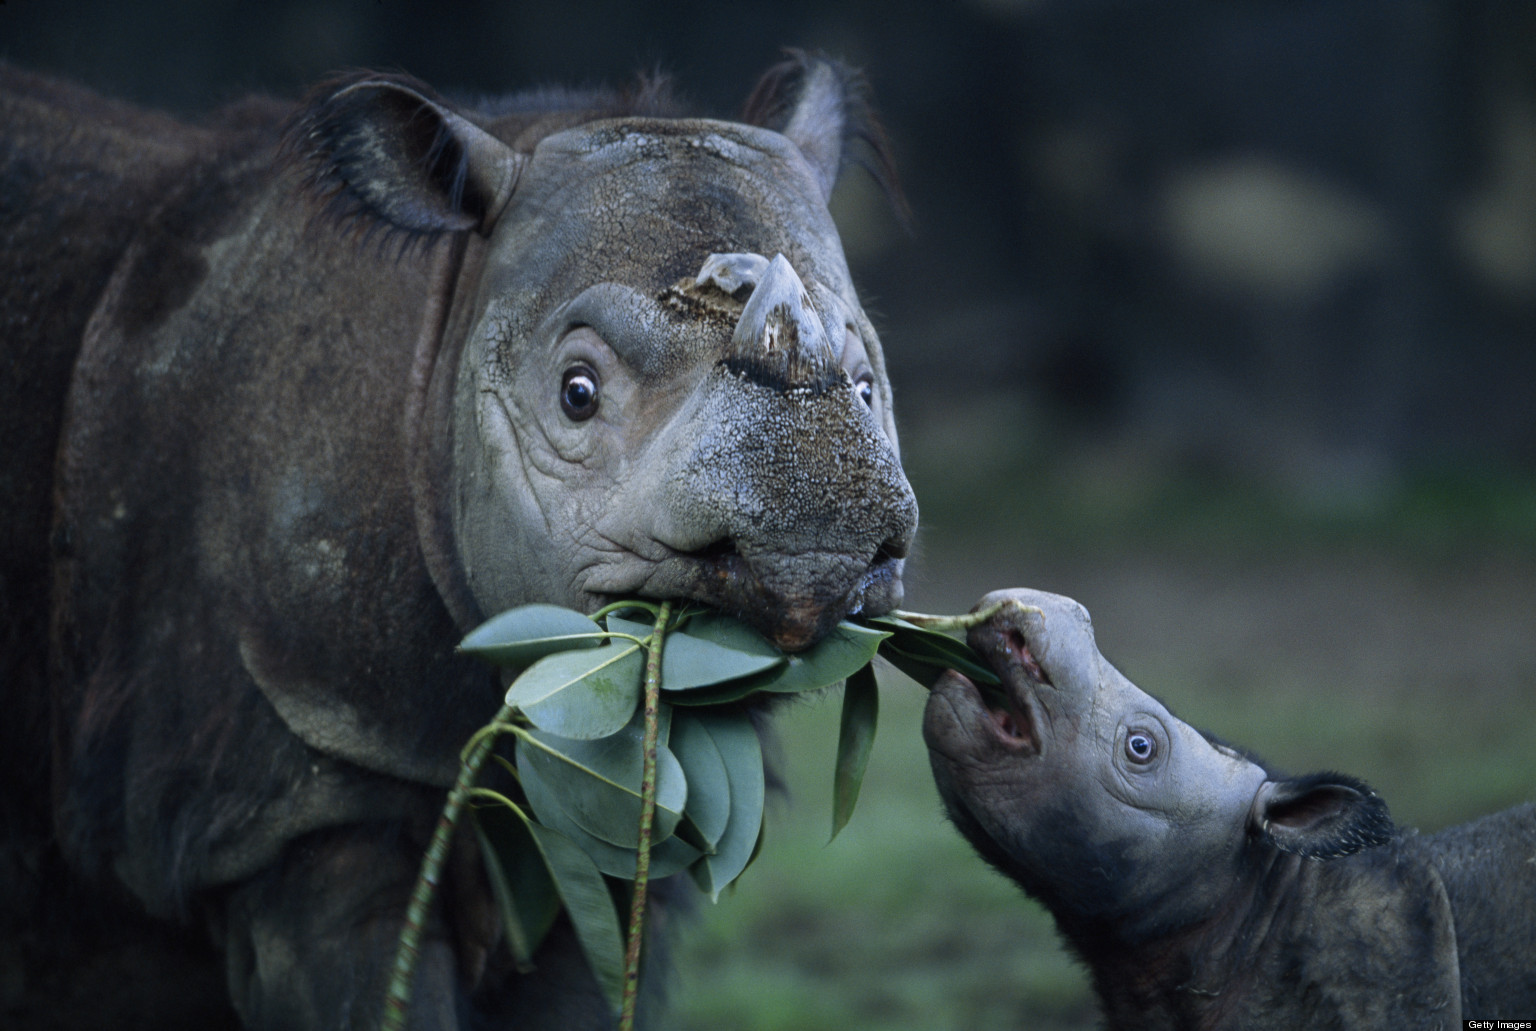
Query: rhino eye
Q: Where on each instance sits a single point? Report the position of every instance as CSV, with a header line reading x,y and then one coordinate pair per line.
x,y
865,388
578,393
1140,747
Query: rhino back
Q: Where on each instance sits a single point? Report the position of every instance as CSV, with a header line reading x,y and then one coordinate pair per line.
x,y
80,176
1489,870
77,176
238,553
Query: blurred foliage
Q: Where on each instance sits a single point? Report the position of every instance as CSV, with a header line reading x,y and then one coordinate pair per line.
x,y
1265,231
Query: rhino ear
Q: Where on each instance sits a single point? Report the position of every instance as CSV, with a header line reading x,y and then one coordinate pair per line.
x,y
1321,816
385,146
823,107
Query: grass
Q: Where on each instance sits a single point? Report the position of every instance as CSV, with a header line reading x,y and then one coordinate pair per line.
x,y
1392,636
895,924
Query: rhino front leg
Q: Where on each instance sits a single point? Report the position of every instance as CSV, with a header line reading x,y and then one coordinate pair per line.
x,y
310,942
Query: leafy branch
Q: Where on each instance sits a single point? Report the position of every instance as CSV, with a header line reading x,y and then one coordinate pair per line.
x,y
635,757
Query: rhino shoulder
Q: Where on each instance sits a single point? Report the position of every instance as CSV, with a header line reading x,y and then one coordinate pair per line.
x,y
1489,870
1364,941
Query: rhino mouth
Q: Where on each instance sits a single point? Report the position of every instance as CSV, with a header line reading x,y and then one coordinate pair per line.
x,y
967,722
794,601
1010,712
1014,724
965,717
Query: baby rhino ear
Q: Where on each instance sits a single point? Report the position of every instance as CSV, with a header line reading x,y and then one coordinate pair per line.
x,y
385,146
1321,816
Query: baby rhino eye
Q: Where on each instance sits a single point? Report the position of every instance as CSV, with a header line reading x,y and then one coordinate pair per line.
x,y
1140,747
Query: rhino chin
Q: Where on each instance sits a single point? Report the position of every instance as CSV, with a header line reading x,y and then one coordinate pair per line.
x,y
793,601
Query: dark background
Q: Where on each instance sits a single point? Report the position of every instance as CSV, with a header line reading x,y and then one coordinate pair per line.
x,y
1215,314
1293,238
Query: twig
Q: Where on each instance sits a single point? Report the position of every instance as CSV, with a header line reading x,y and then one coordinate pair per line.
x,y
966,621
647,817
397,1003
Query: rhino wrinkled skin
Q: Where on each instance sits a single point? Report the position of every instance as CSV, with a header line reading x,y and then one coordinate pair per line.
x,y
284,416
1203,891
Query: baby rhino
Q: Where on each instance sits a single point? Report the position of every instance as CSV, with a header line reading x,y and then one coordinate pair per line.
x,y
1203,891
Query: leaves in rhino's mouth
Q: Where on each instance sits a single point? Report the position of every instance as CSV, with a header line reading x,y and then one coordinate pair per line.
x,y
581,802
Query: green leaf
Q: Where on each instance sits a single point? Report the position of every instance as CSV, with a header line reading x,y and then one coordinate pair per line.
x,y
667,858
525,634
709,791
855,739
848,648
741,751
525,895
924,654
585,894
597,783
711,649
584,694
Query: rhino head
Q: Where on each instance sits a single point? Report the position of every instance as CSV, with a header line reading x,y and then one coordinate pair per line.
x,y
659,379
1122,819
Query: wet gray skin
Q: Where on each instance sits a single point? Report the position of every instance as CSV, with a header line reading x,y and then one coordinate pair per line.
x,y
1074,769
1202,891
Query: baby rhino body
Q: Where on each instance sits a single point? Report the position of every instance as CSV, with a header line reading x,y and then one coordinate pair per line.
x,y
1202,891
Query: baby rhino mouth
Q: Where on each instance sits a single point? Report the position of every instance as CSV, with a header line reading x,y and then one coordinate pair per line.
x,y
967,720
1013,705
1012,723
1010,711
966,717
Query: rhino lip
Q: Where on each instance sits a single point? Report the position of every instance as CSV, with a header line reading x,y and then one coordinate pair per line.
x,y
1012,718
1006,718
726,578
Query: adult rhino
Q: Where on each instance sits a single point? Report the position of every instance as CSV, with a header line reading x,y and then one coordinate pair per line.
x,y
282,420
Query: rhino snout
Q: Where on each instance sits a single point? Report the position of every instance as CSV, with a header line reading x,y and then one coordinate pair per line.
x,y
789,509
791,564
796,599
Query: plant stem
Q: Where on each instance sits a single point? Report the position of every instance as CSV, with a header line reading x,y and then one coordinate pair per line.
x,y
621,605
966,621
647,816
397,1003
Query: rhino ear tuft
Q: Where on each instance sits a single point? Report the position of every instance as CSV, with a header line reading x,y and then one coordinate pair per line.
x,y
823,107
384,146
1322,816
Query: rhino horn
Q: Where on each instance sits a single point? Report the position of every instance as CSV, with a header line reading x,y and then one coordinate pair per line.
x,y
731,272
779,341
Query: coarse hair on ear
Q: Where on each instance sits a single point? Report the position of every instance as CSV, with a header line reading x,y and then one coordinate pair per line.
x,y
385,147
823,107
1321,816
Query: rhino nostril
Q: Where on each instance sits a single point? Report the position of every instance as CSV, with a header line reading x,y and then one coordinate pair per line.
x,y
890,551
1025,658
